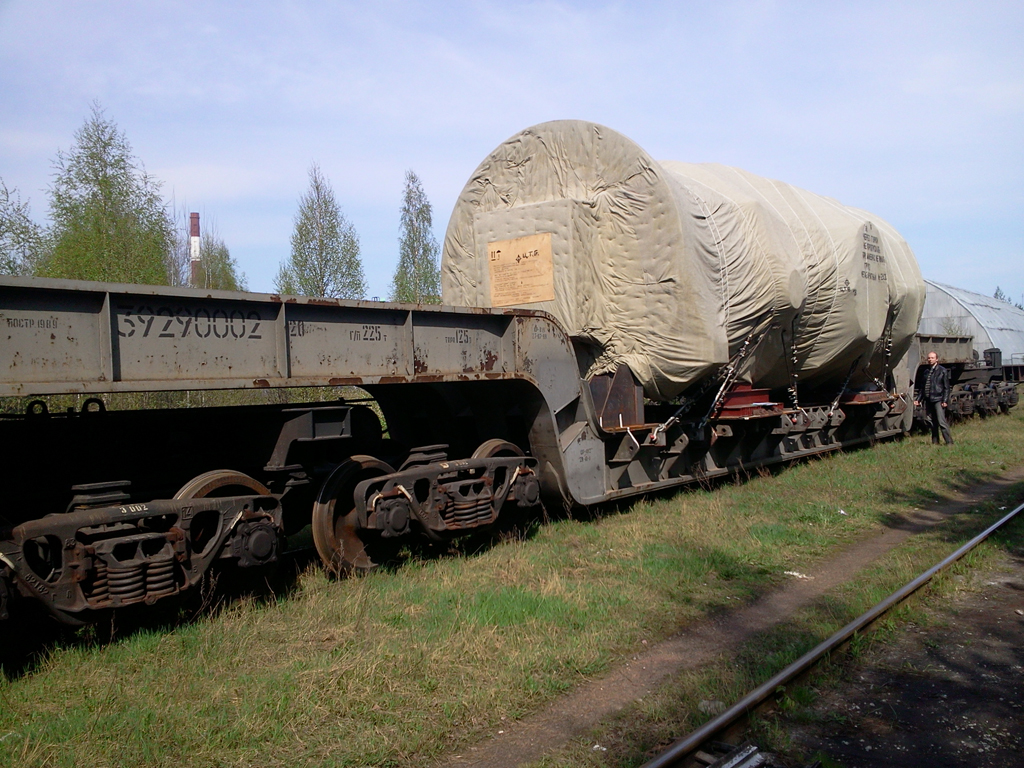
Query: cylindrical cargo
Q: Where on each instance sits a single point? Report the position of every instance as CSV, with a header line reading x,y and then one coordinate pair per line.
x,y
675,269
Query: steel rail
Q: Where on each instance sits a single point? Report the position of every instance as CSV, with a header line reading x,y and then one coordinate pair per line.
x,y
688,744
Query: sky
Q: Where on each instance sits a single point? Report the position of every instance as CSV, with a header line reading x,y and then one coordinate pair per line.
x,y
911,110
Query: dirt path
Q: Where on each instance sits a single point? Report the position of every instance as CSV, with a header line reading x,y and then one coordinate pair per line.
x,y
569,716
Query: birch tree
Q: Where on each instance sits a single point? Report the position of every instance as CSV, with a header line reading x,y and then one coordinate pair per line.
x,y
21,239
417,278
325,248
217,269
109,221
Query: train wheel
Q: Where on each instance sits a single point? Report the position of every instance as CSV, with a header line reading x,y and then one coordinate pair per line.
x,y
221,482
342,545
206,526
496,447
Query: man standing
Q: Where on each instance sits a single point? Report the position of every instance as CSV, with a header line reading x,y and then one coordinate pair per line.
x,y
935,396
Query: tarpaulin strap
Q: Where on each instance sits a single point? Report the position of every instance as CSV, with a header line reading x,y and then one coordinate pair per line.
x,y
887,349
729,372
723,264
791,362
839,394
685,405
726,375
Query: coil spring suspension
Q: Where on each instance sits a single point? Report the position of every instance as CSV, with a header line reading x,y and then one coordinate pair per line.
x,y
127,583
99,588
160,578
469,512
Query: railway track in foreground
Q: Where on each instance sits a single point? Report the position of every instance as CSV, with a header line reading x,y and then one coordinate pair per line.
x,y
703,746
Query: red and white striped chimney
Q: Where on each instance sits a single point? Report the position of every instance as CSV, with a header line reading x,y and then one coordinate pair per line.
x,y
193,249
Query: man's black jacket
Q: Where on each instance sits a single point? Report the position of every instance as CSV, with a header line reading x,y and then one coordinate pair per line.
x,y
940,386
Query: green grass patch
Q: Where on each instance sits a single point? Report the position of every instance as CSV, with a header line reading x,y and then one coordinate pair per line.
x,y
400,667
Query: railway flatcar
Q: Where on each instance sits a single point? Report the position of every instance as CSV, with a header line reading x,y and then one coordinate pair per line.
x,y
612,326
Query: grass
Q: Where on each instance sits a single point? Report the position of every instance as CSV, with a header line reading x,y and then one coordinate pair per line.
x,y
401,667
674,710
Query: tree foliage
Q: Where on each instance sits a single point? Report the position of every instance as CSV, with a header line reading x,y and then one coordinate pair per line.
x,y
954,326
1000,295
21,239
325,248
417,278
109,221
217,268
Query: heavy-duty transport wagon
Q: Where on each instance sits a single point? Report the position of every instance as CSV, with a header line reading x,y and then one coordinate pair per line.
x,y
982,386
485,412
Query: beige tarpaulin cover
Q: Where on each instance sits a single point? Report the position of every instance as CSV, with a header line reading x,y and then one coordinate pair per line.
x,y
671,268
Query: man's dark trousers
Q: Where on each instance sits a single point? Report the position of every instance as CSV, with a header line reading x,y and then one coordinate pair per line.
x,y
937,416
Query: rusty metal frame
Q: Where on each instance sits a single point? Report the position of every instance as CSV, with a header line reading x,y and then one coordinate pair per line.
x,y
74,337
438,374
446,497
113,557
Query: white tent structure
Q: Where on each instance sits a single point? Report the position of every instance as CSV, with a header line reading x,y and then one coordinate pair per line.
x,y
950,311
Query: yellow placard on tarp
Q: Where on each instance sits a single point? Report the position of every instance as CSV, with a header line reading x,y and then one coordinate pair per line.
x,y
521,270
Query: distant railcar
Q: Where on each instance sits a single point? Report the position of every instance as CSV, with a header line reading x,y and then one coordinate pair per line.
x,y
982,386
